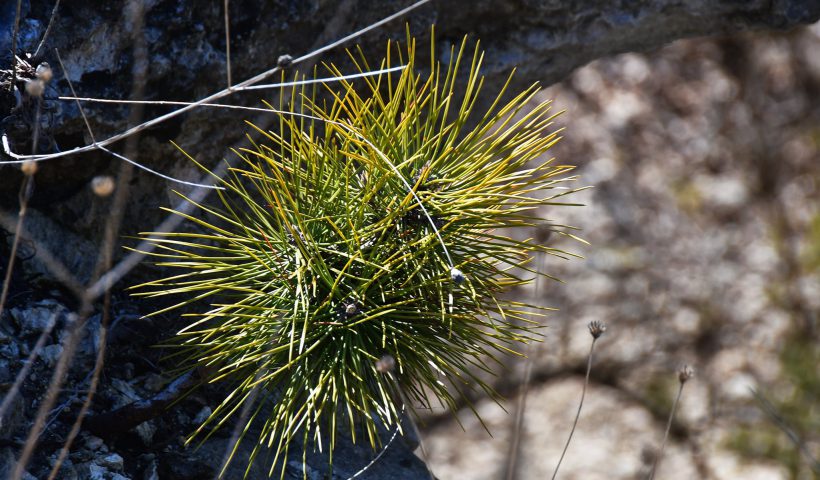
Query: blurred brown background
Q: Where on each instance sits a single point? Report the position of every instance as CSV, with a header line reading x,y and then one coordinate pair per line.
x,y
704,225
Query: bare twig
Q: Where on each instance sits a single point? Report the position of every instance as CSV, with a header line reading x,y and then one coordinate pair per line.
x,y
54,387
117,155
784,426
228,44
25,192
131,415
14,45
520,408
295,83
71,87
383,450
92,388
684,374
60,272
239,429
48,29
533,351
23,373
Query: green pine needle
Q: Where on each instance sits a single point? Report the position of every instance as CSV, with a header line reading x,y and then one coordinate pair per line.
x,y
320,261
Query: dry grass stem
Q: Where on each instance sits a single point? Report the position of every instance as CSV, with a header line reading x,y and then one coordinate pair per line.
x,y
51,20
228,44
684,374
596,329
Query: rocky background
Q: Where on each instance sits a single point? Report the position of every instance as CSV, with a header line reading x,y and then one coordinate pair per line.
x,y
703,223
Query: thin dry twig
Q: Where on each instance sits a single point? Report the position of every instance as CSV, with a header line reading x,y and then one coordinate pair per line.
x,y
241,423
117,155
25,193
54,388
92,389
60,272
14,33
74,93
533,351
228,44
48,29
11,394
114,221
684,374
784,426
383,450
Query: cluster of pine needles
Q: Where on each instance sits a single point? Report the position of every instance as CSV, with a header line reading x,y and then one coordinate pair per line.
x,y
362,253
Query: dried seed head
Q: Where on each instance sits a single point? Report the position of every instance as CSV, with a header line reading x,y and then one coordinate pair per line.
x,y
44,72
102,185
457,276
596,328
386,364
35,88
29,168
685,373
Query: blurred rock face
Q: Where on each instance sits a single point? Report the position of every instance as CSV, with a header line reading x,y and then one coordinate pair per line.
x,y
703,224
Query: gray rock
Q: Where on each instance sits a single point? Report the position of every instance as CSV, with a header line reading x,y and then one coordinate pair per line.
x,y
36,318
6,375
7,461
91,337
203,415
146,431
112,461
50,355
93,443
150,472
95,472
154,383
10,350
67,469
14,421
125,393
